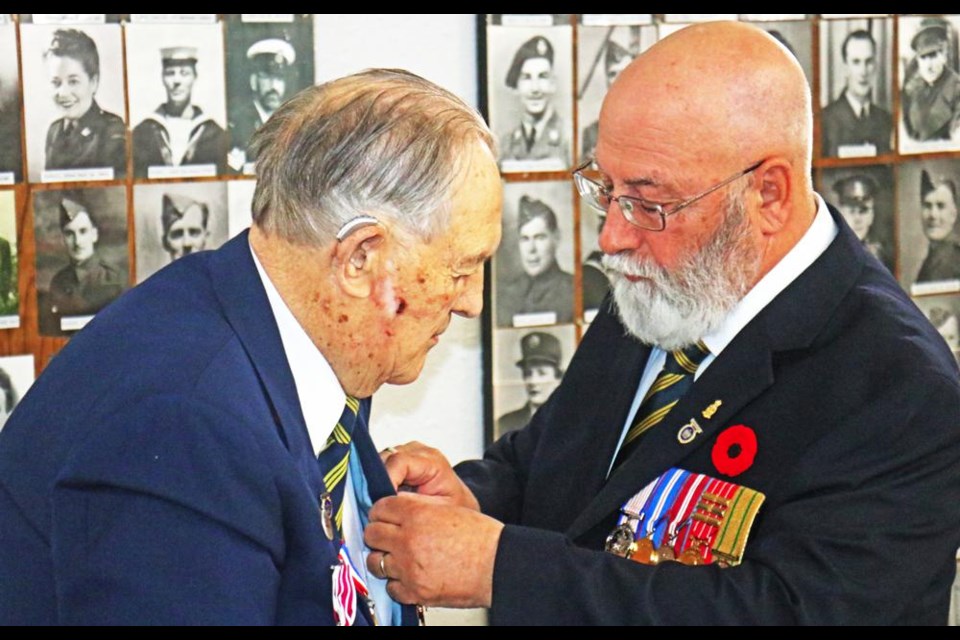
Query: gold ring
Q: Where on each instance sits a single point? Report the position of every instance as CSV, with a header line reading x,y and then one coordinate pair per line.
x,y
383,569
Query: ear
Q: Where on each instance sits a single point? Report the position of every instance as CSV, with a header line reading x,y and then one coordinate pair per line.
x,y
359,260
776,188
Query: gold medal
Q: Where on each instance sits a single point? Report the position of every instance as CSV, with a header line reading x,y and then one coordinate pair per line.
x,y
645,553
326,515
666,554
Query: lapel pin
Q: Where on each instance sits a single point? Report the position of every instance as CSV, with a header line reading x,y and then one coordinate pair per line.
x,y
689,432
711,410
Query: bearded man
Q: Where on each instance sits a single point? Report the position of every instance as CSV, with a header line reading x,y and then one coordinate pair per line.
x,y
761,430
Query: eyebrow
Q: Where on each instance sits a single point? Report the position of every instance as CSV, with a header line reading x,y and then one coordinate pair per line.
x,y
631,182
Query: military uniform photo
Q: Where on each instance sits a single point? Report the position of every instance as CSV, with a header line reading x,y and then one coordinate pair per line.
x,y
865,199
534,265
530,96
82,260
267,63
11,161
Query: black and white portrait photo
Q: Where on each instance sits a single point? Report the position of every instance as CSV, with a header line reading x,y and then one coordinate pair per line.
x,y
929,237
16,376
533,268
943,312
929,84
240,203
82,259
529,94
864,197
173,220
602,53
529,366
177,100
74,102
9,262
267,63
855,87
11,160
797,37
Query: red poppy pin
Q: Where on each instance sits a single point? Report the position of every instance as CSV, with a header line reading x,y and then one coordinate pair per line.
x,y
734,450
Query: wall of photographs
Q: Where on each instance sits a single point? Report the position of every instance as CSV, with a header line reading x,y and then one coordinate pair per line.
x,y
123,146
886,93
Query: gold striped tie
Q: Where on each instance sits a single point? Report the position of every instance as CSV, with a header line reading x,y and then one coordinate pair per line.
x,y
335,459
665,392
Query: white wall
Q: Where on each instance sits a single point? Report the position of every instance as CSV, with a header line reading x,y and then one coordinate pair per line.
x,y
444,408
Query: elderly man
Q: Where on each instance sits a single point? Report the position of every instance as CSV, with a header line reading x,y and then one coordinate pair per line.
x,y
541,134
217,467
543,287
540,365
178,132
269,61
938,199
764,404
184,222
853,125
931,96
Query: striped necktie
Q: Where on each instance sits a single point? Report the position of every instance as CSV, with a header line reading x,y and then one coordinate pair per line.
x,y
671,384
334,461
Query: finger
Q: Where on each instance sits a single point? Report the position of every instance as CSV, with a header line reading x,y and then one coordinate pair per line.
x,y
373,564
400,593
387,453
382,536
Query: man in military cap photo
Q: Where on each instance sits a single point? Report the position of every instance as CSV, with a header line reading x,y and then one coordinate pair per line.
x,y
269,61
178,132
931,95
853,125
89,282
615,59
542,287
184,225
540,356
938,199
541,133
856,200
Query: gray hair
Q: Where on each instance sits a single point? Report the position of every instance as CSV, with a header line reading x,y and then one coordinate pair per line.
x,y
380,142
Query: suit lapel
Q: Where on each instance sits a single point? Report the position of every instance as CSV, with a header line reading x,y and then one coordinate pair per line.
x,y
741,373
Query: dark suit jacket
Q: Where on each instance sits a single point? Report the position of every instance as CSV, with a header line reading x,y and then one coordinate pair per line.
x,y
160,471
855,402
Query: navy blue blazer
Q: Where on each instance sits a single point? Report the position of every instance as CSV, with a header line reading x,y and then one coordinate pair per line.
x,y
855,402
160,471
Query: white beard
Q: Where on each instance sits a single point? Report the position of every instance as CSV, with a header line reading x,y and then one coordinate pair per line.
x,y
675,308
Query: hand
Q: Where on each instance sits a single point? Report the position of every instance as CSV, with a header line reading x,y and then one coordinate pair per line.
x,y
426,471
433,553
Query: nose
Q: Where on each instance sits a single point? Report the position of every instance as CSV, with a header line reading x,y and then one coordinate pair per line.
x,y
470,302
617,234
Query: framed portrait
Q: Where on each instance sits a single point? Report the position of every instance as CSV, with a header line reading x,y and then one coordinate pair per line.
x,y
529,93
17,374
11,157
772,17
529,365
602,53
797,37
533,268
177,100
9,262
240,201
71,18
269,59
687,18
929,84
929,239
82,260
943,312
594,283
864,197
856,72
173,220
74,102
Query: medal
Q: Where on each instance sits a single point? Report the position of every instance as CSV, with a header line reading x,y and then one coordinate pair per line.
x,y
326,515
619,541
644,552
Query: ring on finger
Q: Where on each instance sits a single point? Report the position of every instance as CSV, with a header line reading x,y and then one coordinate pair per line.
x,y
383,568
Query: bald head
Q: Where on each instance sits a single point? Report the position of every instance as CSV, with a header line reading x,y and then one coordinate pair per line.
x,y
725,92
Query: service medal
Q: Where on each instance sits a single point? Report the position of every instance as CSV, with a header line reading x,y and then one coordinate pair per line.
x,y
326,515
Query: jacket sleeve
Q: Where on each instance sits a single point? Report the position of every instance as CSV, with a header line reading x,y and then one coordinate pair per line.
x,y
169,518
870,529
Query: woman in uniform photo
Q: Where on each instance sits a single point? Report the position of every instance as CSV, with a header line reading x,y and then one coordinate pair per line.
x,y
86,136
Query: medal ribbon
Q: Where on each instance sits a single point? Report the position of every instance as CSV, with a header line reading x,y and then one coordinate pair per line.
x,y
347,585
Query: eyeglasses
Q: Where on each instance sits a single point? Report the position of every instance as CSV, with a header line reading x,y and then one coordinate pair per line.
x,y
637,211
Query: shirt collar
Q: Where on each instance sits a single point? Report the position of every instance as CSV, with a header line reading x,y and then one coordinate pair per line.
x,y
321,397
803,254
